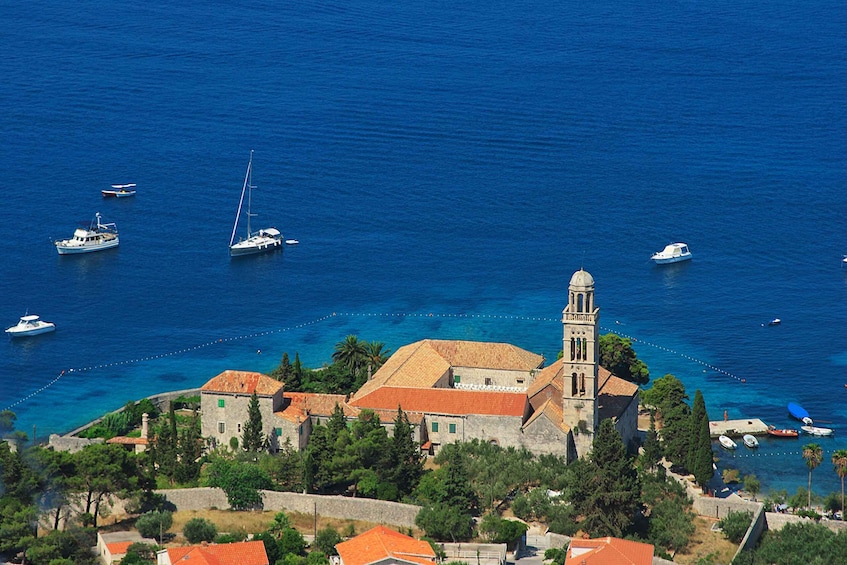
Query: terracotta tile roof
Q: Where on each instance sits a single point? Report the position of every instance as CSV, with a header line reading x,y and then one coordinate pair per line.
x,y
240,553
608,551
243,382
444,401
304,404
118,547
123,440
552,412
379,544
550,375
423,363
614,395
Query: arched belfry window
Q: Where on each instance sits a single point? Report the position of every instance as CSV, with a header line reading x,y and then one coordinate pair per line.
x,y
573,384
584,354
573,349
582,384
580,302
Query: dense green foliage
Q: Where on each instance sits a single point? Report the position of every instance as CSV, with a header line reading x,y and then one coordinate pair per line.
x,y
735,525
618,356
253,440
495,529
241,481
700,443
798,544
198,530
327,539
154,524
177,448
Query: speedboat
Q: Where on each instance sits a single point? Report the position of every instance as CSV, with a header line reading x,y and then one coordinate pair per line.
x,y
672,253
291,242
750,441
30,325
260,241
97,237
775,322
727,443
785,432
120,191
816,431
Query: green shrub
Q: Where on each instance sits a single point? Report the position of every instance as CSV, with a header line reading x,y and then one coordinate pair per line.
x,y
735,525
198,530
152,524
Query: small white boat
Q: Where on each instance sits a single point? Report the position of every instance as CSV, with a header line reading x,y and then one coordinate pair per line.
x,y
727,443
291,242
30,325
263,240
775,322
816,431
672,253
97,237
750,441
119,191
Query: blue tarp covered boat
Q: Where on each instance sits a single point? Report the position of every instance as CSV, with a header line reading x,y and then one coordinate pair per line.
x,y
797,411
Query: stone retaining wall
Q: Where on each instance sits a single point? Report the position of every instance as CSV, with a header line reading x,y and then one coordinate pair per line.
x,y
366,509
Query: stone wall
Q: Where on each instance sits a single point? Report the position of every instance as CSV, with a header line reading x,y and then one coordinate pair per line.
x,y
477,553
70,443
366,509
719,507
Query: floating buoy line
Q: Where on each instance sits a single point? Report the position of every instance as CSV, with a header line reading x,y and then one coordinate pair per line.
x,y
316,321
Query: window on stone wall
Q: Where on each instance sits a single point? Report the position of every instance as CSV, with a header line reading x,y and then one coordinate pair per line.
x,y
221,427
239,428
457,379
435,426
278,432
221,403
452,428
487,381
520,381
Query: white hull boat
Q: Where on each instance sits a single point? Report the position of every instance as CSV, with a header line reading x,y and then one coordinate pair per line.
x,y
672,253
30,325
750,441
260,241
120,191
727,443
816,431
97,237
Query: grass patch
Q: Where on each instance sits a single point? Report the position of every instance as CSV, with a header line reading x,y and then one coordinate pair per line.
x,y
704,543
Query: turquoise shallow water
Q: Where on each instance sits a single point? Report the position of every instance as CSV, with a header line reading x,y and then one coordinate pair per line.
x,y
455,160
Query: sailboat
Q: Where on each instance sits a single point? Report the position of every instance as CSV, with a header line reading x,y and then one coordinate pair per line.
x,y
260,241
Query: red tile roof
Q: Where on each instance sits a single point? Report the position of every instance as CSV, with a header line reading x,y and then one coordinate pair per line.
x,y
243,382
303,404
381,543
118,547
123,440
445,401
240,553
608,551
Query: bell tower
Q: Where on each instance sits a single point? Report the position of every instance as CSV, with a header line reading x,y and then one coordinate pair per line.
x,y
580,361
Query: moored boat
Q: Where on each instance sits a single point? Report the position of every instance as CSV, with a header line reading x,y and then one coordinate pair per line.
x,y
750,441
97,237
784,432
260,241
727,443
817,431
30,324
672,253
797,411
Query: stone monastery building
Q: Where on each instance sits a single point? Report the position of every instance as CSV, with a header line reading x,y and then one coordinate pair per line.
x,y
455,391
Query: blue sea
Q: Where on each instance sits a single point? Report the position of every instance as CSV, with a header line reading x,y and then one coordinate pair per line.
x,y
446,167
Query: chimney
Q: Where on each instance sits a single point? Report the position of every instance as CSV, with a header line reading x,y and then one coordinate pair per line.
x,y
144,425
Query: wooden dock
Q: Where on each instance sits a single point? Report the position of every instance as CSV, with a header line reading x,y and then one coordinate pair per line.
x,y
737,428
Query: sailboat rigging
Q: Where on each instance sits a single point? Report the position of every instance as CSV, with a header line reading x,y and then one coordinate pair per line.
x,y
266,239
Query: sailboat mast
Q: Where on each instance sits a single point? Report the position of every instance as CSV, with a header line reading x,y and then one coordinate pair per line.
x,y
241,202
250,195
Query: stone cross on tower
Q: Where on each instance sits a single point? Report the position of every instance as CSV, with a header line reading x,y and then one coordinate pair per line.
x,y
580,361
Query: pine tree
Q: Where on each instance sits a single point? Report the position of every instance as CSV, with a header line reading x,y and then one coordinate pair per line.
x,y
253,439
615,498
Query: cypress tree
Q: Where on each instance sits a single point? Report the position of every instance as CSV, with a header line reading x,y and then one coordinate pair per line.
x,y
253,439
405,455
702,469
652,448
698,414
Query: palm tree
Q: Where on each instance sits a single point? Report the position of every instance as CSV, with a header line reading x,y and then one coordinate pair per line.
x,y
350,354
376,354
839,459
813,454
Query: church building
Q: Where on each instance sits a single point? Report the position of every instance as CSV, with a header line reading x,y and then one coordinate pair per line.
x,y
454,390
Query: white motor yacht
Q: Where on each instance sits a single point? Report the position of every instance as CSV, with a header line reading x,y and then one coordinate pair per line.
x,y
97,237
672,253
30,325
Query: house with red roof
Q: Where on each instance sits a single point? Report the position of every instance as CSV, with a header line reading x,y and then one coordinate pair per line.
x,y
456,390
383,546
608,551
112,547
239,553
